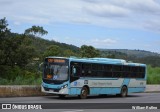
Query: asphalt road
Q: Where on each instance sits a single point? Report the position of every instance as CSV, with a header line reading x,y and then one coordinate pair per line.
x,y
69,104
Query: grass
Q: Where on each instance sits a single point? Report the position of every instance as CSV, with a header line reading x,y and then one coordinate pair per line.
x,y
21,81
153,75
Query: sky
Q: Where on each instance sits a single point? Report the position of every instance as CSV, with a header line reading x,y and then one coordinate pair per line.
x,y
107,24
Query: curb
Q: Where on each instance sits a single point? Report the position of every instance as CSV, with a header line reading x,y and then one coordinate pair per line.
x,y
35,90
20,90
152,88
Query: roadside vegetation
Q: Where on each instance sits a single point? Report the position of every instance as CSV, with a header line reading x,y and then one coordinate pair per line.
x,y
20,55
153,75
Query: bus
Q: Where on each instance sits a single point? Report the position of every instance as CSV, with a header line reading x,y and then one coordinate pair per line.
x,y
92,76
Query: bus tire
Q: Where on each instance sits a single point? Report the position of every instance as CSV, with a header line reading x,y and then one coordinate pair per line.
x,y
84,93
124,91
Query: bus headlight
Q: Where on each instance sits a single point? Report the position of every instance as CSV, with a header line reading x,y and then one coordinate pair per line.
x,y
64,86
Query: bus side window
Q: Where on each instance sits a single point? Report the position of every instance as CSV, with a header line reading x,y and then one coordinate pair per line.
x,y
86,69
75,70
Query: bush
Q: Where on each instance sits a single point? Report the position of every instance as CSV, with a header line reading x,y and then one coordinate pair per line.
x,y
3,81
10,73
17,76
153,75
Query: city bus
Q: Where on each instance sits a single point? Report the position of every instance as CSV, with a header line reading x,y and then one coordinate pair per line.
x,y
92,76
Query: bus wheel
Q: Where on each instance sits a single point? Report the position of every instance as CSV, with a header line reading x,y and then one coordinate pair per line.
x,y
84,93
124,91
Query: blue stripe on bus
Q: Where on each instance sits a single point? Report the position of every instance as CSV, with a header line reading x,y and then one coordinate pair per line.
x,y
136,89
108,90
96,90
75,91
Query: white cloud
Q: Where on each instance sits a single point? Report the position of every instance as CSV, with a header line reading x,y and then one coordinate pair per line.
x,y
102,43
106,10
107,41
96,42
153,25
80,20
140,6
107,13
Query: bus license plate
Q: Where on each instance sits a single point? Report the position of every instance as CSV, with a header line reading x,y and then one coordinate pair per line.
x,y
51,90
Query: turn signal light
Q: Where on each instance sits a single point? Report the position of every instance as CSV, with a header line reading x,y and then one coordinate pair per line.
x,y
49,76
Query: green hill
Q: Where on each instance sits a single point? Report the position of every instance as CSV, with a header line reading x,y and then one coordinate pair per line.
x,y
41,45
137,53
139,56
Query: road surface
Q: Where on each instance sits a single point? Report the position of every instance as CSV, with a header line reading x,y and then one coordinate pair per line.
x,y
69,104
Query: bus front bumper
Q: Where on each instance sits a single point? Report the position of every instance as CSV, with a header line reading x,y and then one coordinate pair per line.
x,y
55,91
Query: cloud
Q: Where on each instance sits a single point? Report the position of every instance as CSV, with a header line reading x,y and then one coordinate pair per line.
x,y
157,42
153,25
5,3
106,10
107,13
102,43
81,20
107,41
142,6
96,42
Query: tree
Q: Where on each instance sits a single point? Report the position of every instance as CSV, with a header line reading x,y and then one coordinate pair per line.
x,y
89,51
35,30
15,49
4,32
25,53
16,52
3,28
52,50
68,53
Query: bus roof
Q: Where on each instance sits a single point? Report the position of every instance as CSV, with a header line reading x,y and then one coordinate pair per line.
x,y
101,60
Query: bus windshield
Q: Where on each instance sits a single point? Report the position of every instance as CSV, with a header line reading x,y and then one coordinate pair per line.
x,y
56,72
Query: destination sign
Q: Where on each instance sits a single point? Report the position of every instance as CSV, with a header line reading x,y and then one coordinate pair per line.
x,y
51,60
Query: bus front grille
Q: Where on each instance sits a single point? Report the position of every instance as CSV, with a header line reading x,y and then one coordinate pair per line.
x,y
54,90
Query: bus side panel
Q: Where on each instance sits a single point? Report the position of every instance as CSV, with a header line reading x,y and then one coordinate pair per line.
x,y
76,86
75,91
116,90
136,85
96,91
136,89
97,86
